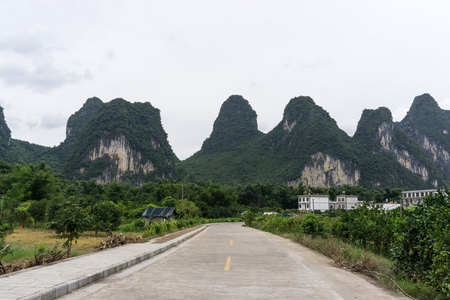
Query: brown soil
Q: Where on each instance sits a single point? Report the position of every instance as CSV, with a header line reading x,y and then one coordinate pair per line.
x,y
171,236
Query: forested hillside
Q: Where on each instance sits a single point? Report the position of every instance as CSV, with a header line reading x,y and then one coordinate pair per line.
x,y
130,145
389,157
110,141
308,147
119,140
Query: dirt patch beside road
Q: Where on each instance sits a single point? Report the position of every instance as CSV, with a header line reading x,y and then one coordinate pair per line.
x,y
173,235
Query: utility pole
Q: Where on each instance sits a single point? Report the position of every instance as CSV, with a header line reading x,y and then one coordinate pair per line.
x,y
401,208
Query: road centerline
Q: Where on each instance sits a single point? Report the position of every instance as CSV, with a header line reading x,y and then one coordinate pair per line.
x,y
227,266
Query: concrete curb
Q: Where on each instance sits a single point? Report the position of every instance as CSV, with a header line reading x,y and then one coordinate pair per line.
x,y
69,286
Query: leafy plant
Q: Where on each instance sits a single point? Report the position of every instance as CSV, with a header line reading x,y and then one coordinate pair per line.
x,y
311,225
422,248
70,220
105,216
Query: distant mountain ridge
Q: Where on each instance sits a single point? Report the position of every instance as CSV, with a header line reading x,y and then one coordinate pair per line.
x,y
119,140
110,141
308,147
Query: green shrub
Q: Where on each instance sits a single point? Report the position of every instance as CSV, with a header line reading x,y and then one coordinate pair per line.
x,y
139,224
422,247
311,225
248,218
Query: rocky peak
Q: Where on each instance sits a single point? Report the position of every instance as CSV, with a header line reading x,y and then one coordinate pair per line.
x,y
123,141
375,129
425,116
235,124
423,103
300,109
428,124
78,120
306,128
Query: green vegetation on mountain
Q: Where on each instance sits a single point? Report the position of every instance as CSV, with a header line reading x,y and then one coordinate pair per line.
x,y
236,124
35,154
305,130
367,129
12,150
139,123
427,123
425,117
230,154
5,133
380,165
307,143
79,120
278,156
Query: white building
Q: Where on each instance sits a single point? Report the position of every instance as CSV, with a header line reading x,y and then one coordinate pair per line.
x,y
388,205
313,202
345,202
415,197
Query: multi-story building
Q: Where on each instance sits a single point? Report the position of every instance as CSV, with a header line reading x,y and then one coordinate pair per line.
x,y
415,197
345,202
313,202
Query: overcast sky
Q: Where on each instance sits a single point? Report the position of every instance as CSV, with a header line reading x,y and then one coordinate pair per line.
x,y
187,57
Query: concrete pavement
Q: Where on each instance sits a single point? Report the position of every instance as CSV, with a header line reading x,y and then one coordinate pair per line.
x,y
228,261
54,280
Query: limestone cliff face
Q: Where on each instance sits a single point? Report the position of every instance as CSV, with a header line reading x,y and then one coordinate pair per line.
x,y
122,141
324,170
429,125
436,152
121,157
385,136
288,126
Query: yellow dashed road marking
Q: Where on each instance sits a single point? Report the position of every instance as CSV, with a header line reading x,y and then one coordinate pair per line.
x,y
227,266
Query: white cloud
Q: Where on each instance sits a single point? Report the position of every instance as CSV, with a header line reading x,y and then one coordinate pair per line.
x,y
38,63
445,104
52,121
399,113
187,57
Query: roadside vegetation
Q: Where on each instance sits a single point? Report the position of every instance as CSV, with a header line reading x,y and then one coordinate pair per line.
x,y
408,251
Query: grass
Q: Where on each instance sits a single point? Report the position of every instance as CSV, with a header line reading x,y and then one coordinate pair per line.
x,y
27,242
360,260
346,255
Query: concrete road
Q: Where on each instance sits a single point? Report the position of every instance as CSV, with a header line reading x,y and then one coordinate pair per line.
x,y
229,261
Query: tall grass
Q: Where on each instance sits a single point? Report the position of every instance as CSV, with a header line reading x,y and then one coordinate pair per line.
x,y
345,255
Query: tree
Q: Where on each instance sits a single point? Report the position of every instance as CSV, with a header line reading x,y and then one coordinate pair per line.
x,y
186,208
37,211
21,215
422,247
70,220
105,215
169,202
248,218
311,225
